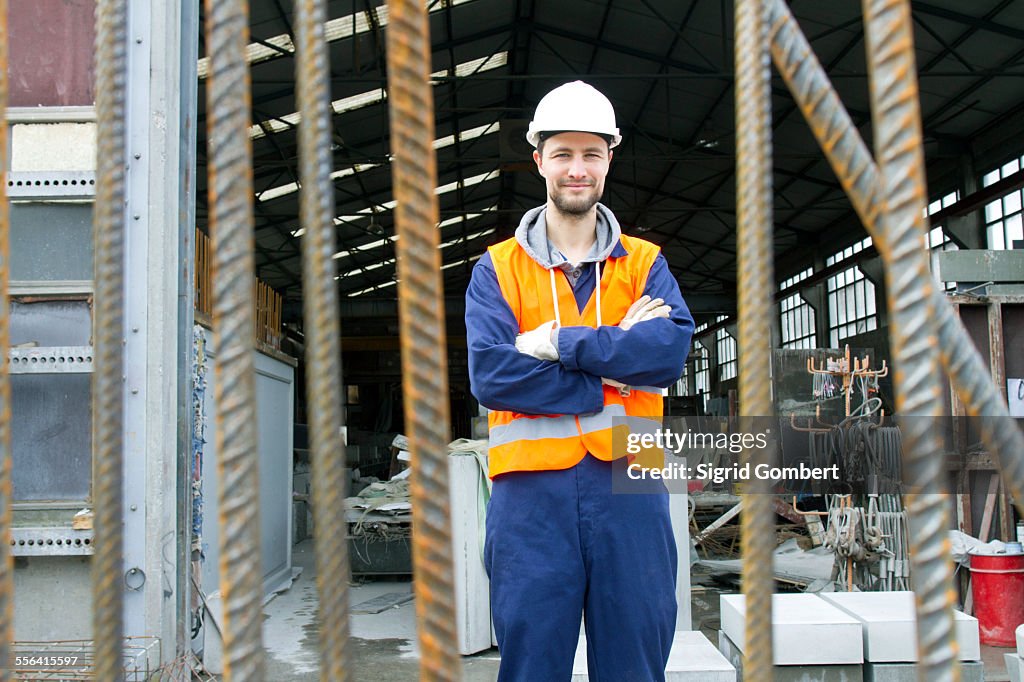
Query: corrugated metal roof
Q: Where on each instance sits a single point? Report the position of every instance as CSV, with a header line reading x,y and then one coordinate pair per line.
x,y
666,66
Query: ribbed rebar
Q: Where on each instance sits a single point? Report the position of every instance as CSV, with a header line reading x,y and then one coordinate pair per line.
x,y
6,573
857,173
323,337
896,119
421,308
108,324
754,253
228,99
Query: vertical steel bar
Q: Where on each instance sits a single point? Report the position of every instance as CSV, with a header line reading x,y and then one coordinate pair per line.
x,y
755,253
323,337
854,166
896,120
228,99
108,318
421,309
6,568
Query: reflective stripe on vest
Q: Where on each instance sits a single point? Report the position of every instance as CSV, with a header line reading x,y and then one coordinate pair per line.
x,y
521,442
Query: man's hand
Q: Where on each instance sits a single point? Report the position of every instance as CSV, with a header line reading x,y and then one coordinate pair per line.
x,y
538,342
643,309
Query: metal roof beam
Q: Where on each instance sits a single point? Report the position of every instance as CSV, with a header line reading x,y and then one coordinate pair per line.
x,y
622,49
982,23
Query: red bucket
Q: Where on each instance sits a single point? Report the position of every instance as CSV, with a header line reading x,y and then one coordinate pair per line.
x,y
997,583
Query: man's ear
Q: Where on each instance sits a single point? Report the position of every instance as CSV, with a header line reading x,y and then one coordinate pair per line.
x,y
537,160
610,155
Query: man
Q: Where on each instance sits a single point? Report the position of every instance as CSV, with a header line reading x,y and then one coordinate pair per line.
x,y
572,327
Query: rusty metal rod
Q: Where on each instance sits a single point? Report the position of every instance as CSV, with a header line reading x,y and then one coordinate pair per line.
x,y
421,311
323,337
108,322
856,170
6,568
754,240
896,118
231,229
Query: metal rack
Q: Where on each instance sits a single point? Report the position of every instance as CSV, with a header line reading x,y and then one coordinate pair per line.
x,y
74,659
51,541
51,360
51,185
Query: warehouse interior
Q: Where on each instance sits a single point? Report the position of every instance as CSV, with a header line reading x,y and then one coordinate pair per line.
x,y
668,69
672,181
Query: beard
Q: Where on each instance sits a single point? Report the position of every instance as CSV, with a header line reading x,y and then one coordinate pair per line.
x,y
575,204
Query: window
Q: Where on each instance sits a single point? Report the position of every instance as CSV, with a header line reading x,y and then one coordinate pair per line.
x,y
796,316
701,368
851,298
725,346
848,251
695,372
1003,216
938,240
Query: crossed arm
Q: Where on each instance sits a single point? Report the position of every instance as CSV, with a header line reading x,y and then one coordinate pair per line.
x,y
648,353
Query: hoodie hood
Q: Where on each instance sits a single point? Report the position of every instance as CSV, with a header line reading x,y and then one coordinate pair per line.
x,y
532,235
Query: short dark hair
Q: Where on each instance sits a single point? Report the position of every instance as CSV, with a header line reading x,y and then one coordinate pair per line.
x,y
543,137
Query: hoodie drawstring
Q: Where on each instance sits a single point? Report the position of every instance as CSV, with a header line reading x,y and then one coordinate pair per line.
x,y
554,298
597,293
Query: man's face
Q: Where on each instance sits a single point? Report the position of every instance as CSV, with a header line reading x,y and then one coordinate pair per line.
x,y
574,166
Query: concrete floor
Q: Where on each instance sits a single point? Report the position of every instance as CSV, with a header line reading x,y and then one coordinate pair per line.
x,y
384,647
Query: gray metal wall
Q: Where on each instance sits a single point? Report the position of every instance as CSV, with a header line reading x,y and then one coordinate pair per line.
x,y
275,395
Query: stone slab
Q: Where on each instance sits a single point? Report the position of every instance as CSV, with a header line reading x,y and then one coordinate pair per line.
x,y
1014,667
806,630
846,672
382,602
970,671
692,659
889,622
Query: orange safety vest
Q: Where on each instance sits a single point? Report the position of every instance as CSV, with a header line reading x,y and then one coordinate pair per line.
x,y
530,442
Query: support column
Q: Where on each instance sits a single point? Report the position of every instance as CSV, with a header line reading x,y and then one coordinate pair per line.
x,y
161,114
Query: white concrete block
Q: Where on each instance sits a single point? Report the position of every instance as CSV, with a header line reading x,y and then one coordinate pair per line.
x,y
970,671
806,630
1020,640
1014,667
888,620
843,672
679,510
472,588
692,659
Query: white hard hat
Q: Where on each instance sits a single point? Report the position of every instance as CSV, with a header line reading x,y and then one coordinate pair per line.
x,y
576,107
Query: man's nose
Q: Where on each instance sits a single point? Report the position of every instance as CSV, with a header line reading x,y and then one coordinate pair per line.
x,y
577,169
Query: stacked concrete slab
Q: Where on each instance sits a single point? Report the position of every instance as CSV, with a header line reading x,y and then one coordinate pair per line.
x,y
692,659
813,641
844,637
888,622
1015,660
